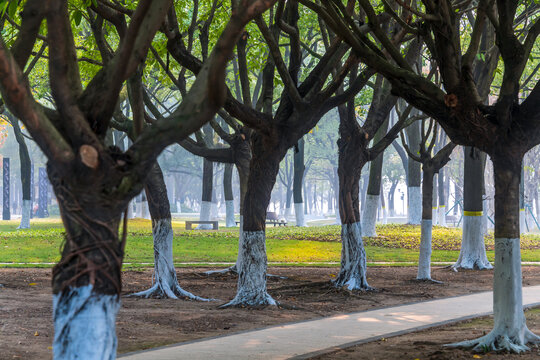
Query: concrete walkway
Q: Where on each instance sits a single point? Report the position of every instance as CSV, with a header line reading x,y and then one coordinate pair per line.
x,y
308,338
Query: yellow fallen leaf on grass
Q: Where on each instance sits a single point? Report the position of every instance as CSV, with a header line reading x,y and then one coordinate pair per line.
x,y
477,357
49,348
36,334
32,284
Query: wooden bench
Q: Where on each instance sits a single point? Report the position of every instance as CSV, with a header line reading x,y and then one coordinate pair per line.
x,y
272,219
215,225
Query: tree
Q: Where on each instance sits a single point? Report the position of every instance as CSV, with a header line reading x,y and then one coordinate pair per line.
x,y
94,183
505,130
431,164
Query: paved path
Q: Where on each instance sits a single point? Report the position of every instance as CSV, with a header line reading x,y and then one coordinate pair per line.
x,y
304,339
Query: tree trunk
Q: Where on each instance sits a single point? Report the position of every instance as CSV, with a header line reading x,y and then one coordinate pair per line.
x,y
206,200
473,251
87,280
228,194
435,200
252,260
391,197
26,173
442,198
165,280
6,211
299,169
523,228
424,259
510,330
414,177
352,274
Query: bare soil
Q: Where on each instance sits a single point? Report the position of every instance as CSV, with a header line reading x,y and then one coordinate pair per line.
x,y
26,328
429,344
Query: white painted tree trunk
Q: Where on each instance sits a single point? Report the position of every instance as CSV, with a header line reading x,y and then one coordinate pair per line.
x,y
424,259
84,324
206,207
299,214
352,274
26,211
435,215
130,214
214,212
369,216
510,330
442,216
251,269
385,215
522,221
165,280
287,213
145,212
415,205
473,251
230,221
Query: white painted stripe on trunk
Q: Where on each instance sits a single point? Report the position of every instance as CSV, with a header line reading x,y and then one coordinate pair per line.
x,y
299,214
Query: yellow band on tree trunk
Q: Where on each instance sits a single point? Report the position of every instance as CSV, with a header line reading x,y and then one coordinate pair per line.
x,y
472,213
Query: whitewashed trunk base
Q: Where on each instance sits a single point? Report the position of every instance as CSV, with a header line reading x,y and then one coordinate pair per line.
x,y
206,208
299,214
415,205
510,330
369,216
145,212
473,251
251,289
229,214
165,280
424,259
442,216
26,211
352,274
84,324
522,221
435,216
385,215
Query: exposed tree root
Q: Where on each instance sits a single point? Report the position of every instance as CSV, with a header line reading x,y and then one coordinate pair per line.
x,y
430,280
352,284
244,301
497,341
230,270
159,291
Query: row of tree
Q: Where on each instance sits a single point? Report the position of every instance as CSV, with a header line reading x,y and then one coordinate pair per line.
x,y
158,71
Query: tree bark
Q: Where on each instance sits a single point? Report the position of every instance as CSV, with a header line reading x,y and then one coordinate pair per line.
x,y
165,279
299,170
442,197
510,330
424,259
87,280
473,251
369,213
26,173
228,194
414,176
252,260
206,200
351,145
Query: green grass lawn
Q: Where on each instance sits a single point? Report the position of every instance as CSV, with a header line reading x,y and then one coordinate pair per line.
x,y
288,245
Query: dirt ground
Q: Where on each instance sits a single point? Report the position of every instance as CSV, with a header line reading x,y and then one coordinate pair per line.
x,y
26,328
428,344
